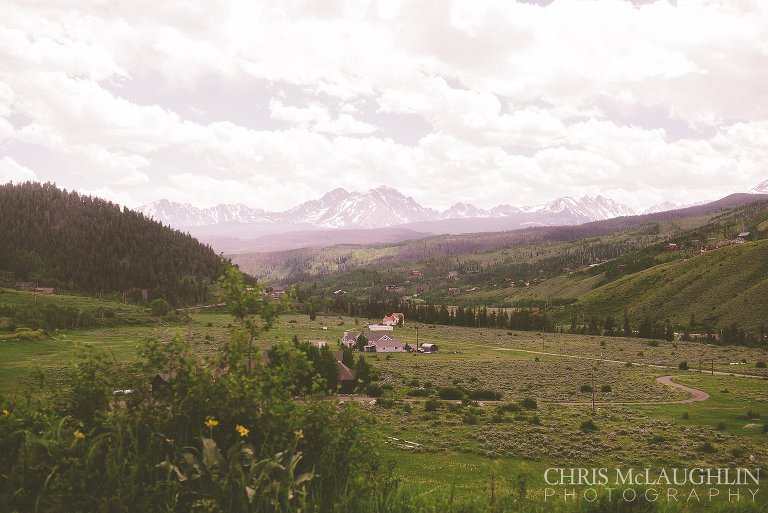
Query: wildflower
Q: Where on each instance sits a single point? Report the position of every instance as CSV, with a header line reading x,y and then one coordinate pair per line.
x,y
169,440
78,434
211,422
242,430
299,434
6,413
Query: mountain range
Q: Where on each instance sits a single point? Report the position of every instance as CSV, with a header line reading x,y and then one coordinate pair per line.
x,y
380,215
377,208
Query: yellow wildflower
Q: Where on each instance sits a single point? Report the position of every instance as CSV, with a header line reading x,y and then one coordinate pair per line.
x,y
211,422
299,434
242,430
78,434
6,413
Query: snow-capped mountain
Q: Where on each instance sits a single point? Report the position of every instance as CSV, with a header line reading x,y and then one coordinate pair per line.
x,y
587,207
761,188
661,207
463,211
184,214
378,208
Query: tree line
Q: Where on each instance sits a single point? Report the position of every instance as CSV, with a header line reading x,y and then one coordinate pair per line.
x,y
84,244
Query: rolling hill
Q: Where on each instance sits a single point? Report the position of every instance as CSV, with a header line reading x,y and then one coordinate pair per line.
x,y
717,288
83,244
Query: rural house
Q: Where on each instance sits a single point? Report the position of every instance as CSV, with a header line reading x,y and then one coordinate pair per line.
x,y
383,342
350,339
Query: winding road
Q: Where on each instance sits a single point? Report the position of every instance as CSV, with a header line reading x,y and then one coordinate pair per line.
x,y
696,396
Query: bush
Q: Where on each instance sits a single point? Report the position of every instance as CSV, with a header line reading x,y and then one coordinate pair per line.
x,y
450,393
721,426
605,388
485,395
585,389
417,392
683,366
588,426
507,408
159,307
686,415
432,405
374,390
760,364
752,415
707,448
469,417
535,420
529,403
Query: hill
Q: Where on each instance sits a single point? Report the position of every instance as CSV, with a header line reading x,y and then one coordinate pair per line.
x,y
83,244
717,289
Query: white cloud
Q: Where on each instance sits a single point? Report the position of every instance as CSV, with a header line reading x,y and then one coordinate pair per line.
x,y
12,171
516,103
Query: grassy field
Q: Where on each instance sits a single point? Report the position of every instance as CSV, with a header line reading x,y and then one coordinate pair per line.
x,y
463,445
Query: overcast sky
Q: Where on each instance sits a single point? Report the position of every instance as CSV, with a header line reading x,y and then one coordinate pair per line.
x,y
273,103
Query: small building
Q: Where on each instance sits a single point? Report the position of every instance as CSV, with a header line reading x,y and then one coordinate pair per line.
x,y
744,235
44,290
453,290
381,327
453,275
339,293
415,272
671,246
345,378
389,320
319,343
392,288
26,285
428,348
350,339
383,342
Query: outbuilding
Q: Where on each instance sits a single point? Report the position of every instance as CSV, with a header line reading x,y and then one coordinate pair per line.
x,y
428,348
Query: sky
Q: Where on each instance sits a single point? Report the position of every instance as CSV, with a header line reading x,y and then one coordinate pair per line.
x,y
488,102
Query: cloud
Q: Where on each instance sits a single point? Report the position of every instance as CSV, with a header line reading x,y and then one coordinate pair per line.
x,y
12,171
491,102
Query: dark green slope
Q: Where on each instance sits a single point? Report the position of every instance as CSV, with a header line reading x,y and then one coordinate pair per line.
x,y
82,244
721,287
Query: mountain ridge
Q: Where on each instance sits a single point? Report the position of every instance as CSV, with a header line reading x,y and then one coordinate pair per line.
x,y
377,208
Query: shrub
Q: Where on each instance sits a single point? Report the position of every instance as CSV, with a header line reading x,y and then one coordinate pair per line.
x,y
588,426
384,402
432,405
417,392
529,403
374,390
585,389
159,307
450,393
469,417
707,448
738,452
485,395
605,388
752,415
535,420
407,408
760,364
721,426
683,366
507,408
686,415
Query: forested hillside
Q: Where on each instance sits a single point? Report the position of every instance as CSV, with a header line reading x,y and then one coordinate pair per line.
x,y
79,243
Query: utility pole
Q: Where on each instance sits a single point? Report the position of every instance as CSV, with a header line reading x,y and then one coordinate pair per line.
x,y
417,340
593,389
713,366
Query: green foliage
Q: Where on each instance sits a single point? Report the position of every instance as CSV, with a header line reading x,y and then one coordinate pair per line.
x,y
159,307
206,437
588,426
683,366
529,403
485,395
450,393
83,244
